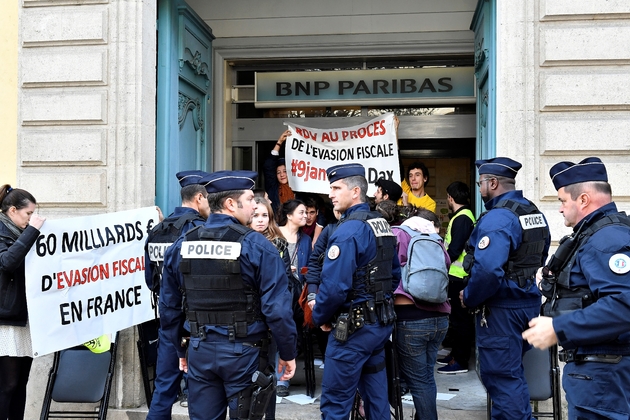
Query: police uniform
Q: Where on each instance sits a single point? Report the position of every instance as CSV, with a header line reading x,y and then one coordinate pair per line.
x,y
359,361
222,357
595,336
167,374
510,243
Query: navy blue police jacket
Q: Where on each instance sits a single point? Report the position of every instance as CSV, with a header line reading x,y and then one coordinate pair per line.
x,y
179,211
602,265
261,267
356,243
496,235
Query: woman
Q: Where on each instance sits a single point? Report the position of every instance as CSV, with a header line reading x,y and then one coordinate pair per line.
x,y
276,180
291,218
420,329
263,222
19,228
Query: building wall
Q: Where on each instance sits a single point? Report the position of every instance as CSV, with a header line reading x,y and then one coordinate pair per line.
x,y
563,92
86,127
8,90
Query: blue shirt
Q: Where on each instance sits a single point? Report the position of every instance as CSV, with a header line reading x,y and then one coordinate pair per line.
x,y
605,322
496,236
262,268
356,245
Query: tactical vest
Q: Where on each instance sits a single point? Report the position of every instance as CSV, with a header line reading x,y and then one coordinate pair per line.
x,y
160,238
375,278
561,298
456,269
524,262
214,291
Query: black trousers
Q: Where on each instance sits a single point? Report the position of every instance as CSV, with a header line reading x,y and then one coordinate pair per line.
x,y
461,329
14,372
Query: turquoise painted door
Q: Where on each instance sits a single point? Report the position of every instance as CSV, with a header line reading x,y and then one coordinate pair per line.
x,y
183,137
484,27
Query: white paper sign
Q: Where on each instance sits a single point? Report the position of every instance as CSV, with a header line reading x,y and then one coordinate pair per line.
x,y
310,151
85,278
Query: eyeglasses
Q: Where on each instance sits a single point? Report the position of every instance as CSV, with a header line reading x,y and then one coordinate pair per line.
x,y
482,180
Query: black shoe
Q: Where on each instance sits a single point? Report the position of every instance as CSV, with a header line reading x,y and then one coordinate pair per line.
x,y
282,391
183,401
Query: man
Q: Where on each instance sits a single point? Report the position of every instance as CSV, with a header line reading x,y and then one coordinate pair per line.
x,y
193,212
387,190
508,245
413,191
314,223
234,285
592,329
359,273
461,326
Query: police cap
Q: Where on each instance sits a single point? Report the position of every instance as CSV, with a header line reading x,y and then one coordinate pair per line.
x,y
187,178
499,166
393,190
337,172
229,181
567,173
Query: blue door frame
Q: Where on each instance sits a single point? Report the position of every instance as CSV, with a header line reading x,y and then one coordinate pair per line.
x,y
484,27
183,134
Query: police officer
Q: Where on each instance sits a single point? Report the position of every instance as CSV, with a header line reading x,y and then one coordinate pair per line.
x,y
461,324
235,289
193,212
359,273
589,294
508,245
387,190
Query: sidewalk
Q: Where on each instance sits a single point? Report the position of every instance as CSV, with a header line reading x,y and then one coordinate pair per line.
x,y
460,396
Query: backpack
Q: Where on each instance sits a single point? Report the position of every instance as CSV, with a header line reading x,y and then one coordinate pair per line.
x,y
425,276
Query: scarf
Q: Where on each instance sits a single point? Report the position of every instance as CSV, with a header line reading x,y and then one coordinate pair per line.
x,y
285,193
14,230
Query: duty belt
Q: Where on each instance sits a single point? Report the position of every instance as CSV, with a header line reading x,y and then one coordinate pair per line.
x,y
569,356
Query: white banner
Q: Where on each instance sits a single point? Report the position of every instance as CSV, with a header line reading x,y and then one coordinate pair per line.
x,y
85,278
310,151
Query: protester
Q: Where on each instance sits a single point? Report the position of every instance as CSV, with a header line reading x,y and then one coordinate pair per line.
x,y
358,276
588,295
502,287
461,331
291,219
263,222
229,336
276,180
314,222
19,229
193,212
414,187
420,328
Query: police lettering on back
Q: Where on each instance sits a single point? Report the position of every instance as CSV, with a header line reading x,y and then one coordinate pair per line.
x,y
205,249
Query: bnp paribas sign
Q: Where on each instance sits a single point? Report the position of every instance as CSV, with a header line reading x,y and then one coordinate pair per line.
x,y
421,86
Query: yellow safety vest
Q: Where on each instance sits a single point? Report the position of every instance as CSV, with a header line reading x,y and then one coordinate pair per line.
x,y
456,269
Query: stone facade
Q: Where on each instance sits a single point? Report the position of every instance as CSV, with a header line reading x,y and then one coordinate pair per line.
x,y
86,128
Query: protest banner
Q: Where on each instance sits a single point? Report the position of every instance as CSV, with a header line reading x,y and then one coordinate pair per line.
x,y
85,278
310,151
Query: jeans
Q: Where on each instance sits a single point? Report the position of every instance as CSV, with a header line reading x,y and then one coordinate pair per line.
x,y
417,344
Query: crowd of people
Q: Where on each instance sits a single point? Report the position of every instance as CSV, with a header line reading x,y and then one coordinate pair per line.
x,y
232,314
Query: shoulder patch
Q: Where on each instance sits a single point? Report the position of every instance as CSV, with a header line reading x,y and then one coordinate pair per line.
x,y
333,252
380,227
532,221
483,243
619,263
